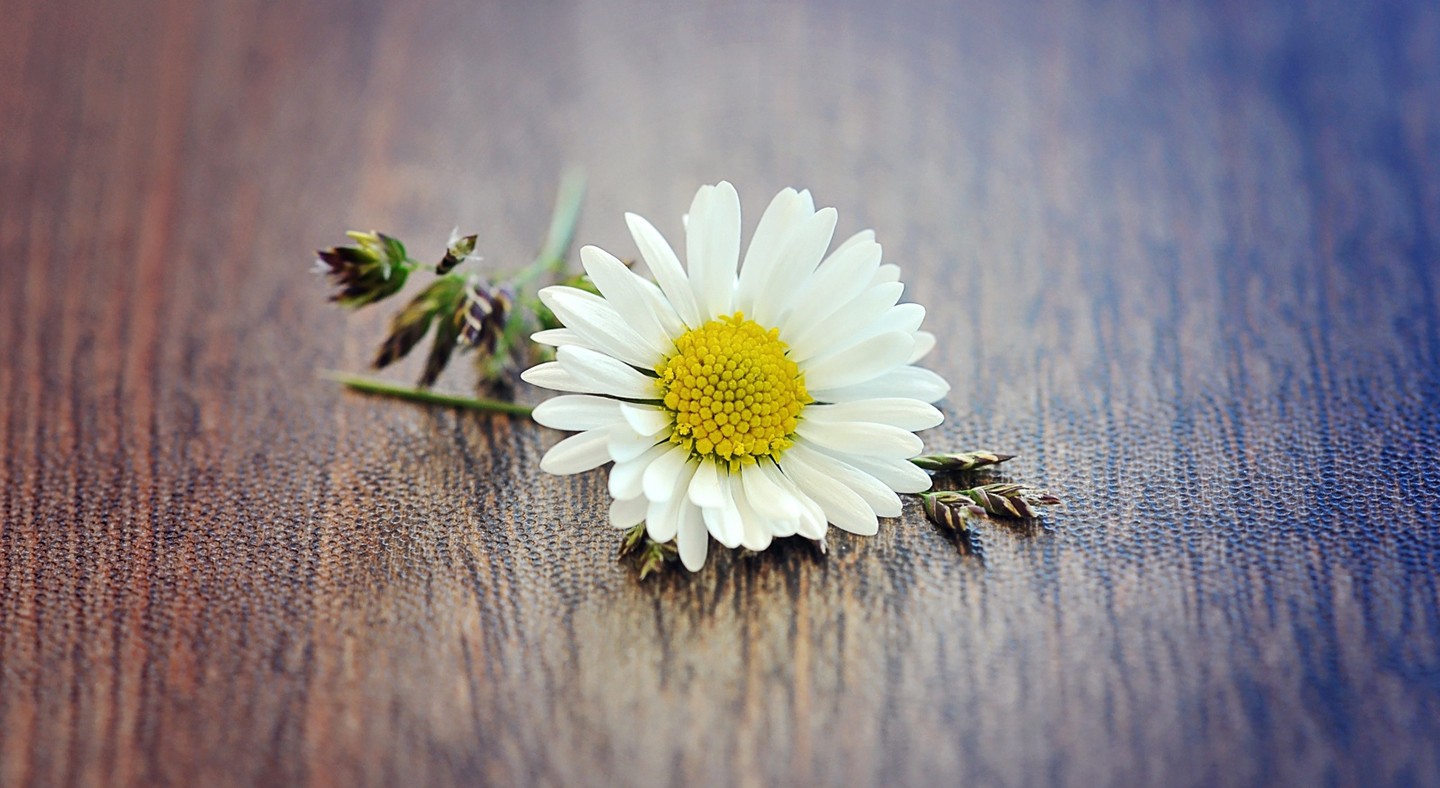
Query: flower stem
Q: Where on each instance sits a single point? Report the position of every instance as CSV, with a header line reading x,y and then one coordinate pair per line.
x,y
384,388
560,235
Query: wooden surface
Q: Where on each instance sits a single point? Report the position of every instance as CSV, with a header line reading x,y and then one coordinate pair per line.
x,y
1182,259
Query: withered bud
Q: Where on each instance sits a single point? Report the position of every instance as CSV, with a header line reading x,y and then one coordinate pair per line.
x,y
960,461
483,315
950,509
1002,499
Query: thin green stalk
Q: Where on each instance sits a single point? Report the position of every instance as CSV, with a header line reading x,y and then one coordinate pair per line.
x,y
385,388
561,234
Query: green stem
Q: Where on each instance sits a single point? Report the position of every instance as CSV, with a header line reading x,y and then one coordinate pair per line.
x,y
560,235
375,386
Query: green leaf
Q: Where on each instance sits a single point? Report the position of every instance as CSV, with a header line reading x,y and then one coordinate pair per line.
x,y
409,325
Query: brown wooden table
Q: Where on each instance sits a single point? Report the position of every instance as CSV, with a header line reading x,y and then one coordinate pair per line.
x,y
1182,259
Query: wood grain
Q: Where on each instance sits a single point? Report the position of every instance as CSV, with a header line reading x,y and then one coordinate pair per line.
x,y
1181,258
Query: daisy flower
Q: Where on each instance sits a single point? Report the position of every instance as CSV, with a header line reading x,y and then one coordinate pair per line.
x,y
741,401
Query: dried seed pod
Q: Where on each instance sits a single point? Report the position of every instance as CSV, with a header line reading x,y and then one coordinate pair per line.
x,y
960,461
483,315
950,509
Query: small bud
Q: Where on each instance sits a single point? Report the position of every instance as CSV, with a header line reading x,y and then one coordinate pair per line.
x,y
649,555
960,461
459,249
634,539
375,269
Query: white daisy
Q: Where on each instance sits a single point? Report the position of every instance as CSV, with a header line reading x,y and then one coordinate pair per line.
x,y
742,406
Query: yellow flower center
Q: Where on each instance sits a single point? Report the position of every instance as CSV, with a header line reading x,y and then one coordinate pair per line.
x,y
734,394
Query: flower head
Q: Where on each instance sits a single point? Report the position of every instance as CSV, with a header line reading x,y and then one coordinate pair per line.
x,y
375,268
742,401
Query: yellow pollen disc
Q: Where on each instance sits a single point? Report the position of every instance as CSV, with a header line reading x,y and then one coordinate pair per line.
x,y
734,394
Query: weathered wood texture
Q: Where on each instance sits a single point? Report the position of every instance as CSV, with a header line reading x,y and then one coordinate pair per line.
x,y
1182,259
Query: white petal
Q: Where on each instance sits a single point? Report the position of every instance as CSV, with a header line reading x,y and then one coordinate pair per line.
x,y
662,309
626,477
864,236
696,223
812,522
842,506
864,318
783,213
775,498
551,375
886,273
768,498
663,520
843,276
924,343
876,494
729,520
907,414
598,373
913,382
625,292
628,512
902,476
859,437
577,412
712,247
660,477
625,445
756,531
577,453
725,525
600,325
693,538
796,260
646,419
858,363
901,317
663,263
555,337
730,515
837,329
788,526
705,487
